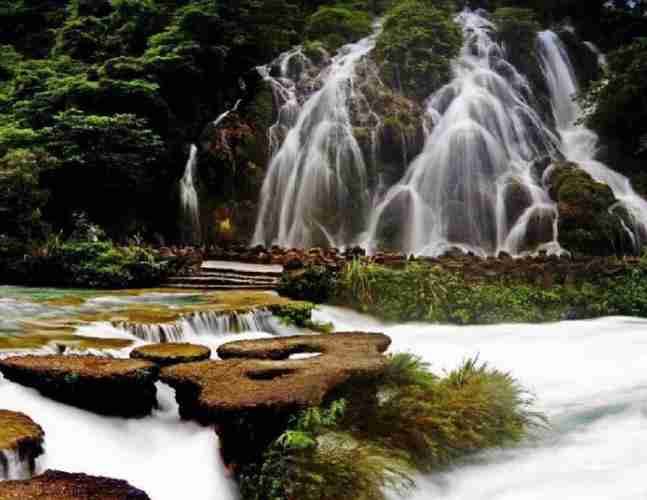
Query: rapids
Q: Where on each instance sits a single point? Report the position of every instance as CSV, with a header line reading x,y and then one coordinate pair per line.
x,y
588,377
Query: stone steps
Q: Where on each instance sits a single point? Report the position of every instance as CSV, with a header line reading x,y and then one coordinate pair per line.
x,y
221,275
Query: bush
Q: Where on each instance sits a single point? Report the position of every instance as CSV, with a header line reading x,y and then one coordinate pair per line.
x,y
416,47
313,284
377,437
335,26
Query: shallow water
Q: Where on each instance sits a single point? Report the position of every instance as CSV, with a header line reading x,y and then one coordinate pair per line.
x,y
588,377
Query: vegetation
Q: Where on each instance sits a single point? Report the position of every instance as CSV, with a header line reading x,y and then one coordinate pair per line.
x,y
416,45
423,292
409,421
337,25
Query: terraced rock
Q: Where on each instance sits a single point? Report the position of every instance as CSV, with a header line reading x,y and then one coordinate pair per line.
x,y
20,438
55,485
171,353
118,387
251,394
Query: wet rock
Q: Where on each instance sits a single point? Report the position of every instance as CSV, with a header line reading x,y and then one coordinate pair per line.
x,y
21,436
171,353
55,485
103,385
251,393
586,225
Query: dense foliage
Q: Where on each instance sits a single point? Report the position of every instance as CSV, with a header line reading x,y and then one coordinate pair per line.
x,y
380,435
416,46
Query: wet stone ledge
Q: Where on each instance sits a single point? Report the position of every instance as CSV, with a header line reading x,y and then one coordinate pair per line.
x,y
21,442
171,353
55,485
116,387
258,385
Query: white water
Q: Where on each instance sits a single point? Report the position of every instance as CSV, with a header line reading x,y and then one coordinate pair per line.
x,y
589,378
579,143
189,202
316,190
202,324
13,466
162,455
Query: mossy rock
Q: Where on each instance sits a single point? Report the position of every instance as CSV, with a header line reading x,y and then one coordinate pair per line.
x,y
586,225
56,485
103,385
19,434
171,353
251,395
258,375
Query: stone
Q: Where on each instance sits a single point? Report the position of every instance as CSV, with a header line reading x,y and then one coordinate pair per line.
x,y
251,394
107,386
257,374
168,354
56,485
20,435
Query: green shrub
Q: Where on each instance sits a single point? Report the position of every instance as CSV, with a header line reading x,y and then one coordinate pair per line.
x,y
313,284
335,26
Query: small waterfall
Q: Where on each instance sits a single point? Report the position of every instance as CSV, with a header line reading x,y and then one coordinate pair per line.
x,y
316,191
580,144
189,201
205,323
473,186
14,466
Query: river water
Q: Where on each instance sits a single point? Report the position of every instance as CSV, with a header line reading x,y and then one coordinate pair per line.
x,y
588,377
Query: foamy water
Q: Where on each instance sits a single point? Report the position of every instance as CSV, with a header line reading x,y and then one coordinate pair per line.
x,y
589,378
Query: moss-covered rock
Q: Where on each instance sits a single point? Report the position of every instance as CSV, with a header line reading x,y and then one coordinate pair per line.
x,y
586,225
102,385
171,353
55,485
21,435
251,395
416,46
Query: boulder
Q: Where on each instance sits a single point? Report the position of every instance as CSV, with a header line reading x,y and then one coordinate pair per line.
x,y
20,435
55,485
171,353
119,387
252,393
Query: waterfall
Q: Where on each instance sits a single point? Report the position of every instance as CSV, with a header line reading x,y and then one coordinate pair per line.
x,y
189,201
316,191
473,186
14,466
205,323
580,144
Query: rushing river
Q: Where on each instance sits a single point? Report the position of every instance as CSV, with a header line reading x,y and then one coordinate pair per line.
x,y
589,378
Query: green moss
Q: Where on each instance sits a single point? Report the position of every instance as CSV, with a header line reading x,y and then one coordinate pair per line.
x,y
585,224
416,46
336,26
315,50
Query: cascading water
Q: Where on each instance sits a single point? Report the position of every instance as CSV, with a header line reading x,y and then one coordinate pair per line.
x,y
473,186
580,144
317,189
14,466
189,201
205,324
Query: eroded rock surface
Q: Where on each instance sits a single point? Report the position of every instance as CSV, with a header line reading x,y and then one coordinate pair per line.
x,y
55,485
171,353
21,440
119,387
252,392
